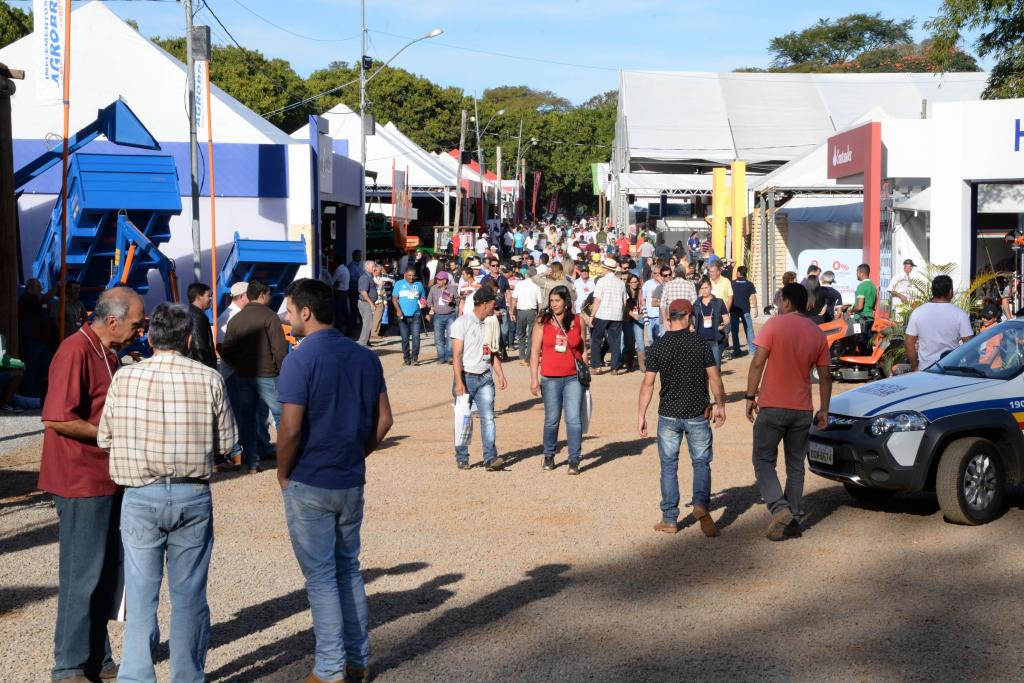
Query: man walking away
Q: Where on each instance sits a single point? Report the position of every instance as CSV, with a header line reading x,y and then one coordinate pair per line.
x,y
200,297
367,289
167,513
472,363
609,302
687,366
676,288
76,471
936,327
255,347
335,413
788,347
526,302
744,301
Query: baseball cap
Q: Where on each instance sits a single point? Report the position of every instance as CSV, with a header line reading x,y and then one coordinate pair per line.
x,y
239,288
441,275
680,306
483,295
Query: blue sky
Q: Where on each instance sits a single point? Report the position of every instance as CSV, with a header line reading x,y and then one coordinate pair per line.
x,y
604,35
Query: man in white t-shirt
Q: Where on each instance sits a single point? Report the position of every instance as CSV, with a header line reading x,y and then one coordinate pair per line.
x,y
652,303
936,327
900,287
481,246
473,362
526,302
609,301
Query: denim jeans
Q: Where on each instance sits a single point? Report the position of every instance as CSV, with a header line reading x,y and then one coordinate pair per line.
x,y
792,428
409,329
716,351
262,413
252,392
524,330
652,331
698,440
510,333
636,330
562,394
173,522
87,582
324,528
504,325
613,330
481,394
736,316
442,341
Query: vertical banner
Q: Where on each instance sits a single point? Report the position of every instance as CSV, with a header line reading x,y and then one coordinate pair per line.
x,y
536,191
201,100
51,49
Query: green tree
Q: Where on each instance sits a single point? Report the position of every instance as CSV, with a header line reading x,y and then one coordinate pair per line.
x,y
834,41
259,83
1000,27
14,24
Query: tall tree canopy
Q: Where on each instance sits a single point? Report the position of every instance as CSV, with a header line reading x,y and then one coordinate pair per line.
x,y
14,24
1000,24
831,41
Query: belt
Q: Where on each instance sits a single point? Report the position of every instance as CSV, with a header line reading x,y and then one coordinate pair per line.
x,y
477,374
183,480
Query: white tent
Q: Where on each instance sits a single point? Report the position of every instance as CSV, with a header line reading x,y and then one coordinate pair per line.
x,y
420,154
256,182
386,153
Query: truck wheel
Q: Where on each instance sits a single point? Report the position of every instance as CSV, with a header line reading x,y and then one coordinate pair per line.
x,y
970,482
862,494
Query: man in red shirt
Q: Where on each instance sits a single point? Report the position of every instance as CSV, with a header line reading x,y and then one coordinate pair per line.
x,y
789,346
76,471
623,245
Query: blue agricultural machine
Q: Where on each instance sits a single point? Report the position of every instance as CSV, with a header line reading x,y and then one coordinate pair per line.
x,y
273,262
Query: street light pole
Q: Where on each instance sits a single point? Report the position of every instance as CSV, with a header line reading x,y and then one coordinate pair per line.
x,y
362,115
193,145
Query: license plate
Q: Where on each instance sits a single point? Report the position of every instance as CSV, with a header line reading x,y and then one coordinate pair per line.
x,y
820,453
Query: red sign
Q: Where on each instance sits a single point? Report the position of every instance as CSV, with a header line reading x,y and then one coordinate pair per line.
x,y
848,152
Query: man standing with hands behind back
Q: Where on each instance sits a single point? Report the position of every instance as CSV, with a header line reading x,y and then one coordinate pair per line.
x,y
789,346
335,413
77,472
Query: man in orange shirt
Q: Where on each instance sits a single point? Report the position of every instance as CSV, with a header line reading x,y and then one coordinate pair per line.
x,y
622,244
788,347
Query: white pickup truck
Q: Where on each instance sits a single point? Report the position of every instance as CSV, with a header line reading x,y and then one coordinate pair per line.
x,y
954,428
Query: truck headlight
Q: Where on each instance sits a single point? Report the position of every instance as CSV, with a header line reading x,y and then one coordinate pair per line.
x,y
898,422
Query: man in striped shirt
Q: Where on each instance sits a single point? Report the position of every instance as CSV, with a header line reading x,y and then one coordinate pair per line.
x,y
676,288
165,421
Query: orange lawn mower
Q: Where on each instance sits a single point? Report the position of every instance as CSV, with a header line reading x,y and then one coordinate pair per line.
x,y
848,362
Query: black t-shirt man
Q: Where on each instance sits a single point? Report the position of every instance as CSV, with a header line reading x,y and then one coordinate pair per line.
x,y
682,359
742,290
831,298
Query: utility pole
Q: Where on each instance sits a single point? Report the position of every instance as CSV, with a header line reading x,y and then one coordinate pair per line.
x,y
522,195
497,166
458,176
8,215
193,145
519,182
362,112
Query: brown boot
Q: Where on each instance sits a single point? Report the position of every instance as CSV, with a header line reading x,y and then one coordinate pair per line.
x,y
666,527
776,531
707,525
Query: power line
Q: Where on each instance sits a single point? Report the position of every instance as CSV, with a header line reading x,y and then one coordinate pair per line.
x,y
289,31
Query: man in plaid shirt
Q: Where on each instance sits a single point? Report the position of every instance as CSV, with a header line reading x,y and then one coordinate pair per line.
x,y
676,288
165,421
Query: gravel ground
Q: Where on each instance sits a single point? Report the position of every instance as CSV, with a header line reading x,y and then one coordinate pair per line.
x,y
525,574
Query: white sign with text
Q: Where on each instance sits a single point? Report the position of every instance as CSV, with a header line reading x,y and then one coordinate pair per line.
x,y
842,262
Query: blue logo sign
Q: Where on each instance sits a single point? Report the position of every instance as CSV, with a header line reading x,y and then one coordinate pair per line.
x,y
1017,137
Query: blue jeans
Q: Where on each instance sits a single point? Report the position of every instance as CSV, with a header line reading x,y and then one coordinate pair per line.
x,y
562,393
652,331
716,351
698,440
87,582
324,528
409,329
252,392
262,433
173,522
636,328
736,316
442,342
613,329
504,324
481,394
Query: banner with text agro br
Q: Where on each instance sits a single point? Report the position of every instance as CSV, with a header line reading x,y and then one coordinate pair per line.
x,y
51,52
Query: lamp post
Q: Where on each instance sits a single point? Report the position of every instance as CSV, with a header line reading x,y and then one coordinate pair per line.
x,y
480,154
365,63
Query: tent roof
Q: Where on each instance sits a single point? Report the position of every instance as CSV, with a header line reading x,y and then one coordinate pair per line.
x,y
385,151
123,63
922,201
824,210
764,117
656,183
421,154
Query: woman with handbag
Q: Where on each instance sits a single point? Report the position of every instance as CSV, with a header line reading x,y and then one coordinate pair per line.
x,y
557,365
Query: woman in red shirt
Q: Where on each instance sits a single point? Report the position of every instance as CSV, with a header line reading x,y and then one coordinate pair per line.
x,y
557,343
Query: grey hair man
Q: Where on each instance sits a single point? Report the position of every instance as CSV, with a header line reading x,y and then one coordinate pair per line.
x,y
167,514
368,295
75,469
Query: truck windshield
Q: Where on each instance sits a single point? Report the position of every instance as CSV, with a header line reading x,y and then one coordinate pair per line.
x,y
996,353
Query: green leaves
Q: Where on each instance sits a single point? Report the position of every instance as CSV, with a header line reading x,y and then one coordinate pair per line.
x,y
1000,27
834,41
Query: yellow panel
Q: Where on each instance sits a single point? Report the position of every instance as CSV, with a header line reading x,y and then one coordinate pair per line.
x,y
719,210
739,208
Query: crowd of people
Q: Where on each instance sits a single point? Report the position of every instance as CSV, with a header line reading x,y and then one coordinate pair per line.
x,y
130,447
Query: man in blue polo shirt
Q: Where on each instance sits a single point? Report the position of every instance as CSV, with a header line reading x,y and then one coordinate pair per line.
x,y
335,412
407,295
